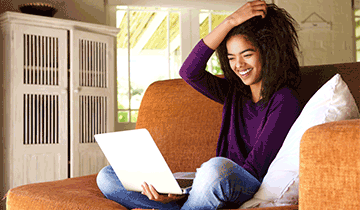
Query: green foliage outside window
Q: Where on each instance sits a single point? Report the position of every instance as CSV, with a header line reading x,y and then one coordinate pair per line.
x,y
216,69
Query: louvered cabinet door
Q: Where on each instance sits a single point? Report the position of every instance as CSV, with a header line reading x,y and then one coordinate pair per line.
x,y
91,98
40,132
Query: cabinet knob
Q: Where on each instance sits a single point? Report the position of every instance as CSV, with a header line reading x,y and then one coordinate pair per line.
x,y
77,90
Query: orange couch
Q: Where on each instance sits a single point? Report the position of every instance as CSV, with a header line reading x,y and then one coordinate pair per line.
x,y
185,126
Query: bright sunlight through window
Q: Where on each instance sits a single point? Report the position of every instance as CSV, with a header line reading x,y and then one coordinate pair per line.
x,y
149,49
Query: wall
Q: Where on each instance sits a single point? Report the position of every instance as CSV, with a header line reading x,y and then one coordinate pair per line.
x,y
332,41
92,11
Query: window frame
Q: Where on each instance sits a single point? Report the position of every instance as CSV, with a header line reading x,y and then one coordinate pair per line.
x,y
189,35
357,35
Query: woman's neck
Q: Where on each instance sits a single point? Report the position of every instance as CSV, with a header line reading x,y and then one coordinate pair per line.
x,y
256,98
256,92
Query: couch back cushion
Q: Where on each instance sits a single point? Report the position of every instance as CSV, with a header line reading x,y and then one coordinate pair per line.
x,y
313,77
185,124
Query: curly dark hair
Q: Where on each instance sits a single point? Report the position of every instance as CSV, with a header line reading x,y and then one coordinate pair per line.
x,y
276,39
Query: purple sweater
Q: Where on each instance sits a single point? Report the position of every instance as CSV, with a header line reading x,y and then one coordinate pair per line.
x,y
251,133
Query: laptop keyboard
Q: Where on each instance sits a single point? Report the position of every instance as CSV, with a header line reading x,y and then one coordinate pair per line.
x,y
184,183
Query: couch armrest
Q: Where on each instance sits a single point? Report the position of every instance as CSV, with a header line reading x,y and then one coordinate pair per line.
x,y
330,166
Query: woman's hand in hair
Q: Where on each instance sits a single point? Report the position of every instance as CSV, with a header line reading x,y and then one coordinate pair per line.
x,y
248,11
152,194
244,13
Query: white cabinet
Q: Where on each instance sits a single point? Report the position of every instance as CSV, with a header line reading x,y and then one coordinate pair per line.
x,y
58,90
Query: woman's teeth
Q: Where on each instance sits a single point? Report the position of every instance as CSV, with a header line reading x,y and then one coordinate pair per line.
x,y
245,72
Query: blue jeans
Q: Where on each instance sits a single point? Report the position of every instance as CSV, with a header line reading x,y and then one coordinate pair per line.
x,y
218,183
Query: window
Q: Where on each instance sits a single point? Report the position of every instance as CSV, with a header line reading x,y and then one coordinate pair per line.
x,y
357,33
149,49
145,54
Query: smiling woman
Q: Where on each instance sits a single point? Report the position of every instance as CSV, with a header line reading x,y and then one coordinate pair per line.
x,y
256,46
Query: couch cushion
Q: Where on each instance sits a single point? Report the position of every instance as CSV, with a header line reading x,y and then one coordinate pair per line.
x,y
74,193
69,194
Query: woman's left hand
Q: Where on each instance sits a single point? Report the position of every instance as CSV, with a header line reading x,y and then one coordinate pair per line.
x,y
152,194
244,13
248,11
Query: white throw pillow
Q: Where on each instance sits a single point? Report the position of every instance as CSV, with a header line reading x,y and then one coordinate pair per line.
x,y
332,102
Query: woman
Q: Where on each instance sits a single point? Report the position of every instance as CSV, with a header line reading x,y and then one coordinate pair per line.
x,y
256,47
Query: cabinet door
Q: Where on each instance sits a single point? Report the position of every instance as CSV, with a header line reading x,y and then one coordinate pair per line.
x,y
92,99
39,96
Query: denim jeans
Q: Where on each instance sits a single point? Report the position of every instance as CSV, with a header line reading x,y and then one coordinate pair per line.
x,y
218,183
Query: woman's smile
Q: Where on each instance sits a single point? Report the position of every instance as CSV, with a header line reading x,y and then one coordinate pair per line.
x,y
243,73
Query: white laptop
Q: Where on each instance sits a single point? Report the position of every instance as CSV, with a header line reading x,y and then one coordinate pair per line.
x,y
136,159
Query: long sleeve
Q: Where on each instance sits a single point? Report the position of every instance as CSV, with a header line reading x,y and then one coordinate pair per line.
x,y
282,112
194,73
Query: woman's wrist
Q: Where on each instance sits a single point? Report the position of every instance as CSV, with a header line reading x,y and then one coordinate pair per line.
x,y
231,22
